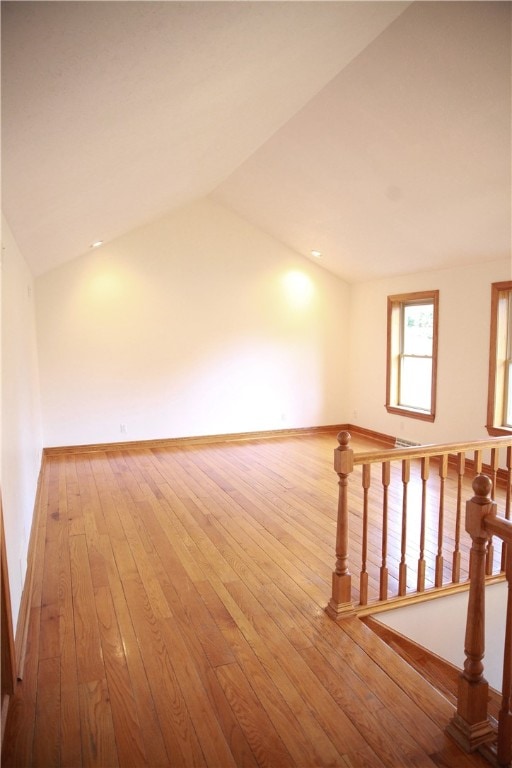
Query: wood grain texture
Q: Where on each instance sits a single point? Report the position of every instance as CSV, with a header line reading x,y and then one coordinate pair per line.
x,y
178,618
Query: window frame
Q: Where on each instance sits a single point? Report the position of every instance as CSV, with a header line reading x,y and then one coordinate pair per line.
x,y
500,351
394,352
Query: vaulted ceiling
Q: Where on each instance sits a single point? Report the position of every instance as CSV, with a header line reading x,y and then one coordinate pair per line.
x,y
378,133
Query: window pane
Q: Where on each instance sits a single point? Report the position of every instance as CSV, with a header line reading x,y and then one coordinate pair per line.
x,y
412,334
416,383
418,329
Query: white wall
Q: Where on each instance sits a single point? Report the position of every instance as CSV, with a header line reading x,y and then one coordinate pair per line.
x,y
186,327
195,324
21,421
463,357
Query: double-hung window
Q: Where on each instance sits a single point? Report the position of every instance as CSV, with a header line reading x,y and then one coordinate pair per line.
x,y
412,354
499,401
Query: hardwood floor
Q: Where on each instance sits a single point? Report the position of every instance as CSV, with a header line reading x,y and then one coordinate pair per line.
x,y
178,619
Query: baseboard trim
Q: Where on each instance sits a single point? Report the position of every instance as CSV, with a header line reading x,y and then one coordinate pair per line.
x,y
384,631
501,475
173,442
379,437
22,626
388,634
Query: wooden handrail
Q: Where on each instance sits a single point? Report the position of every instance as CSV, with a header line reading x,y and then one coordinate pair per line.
x,y
471,726
418,452
406,505
499,526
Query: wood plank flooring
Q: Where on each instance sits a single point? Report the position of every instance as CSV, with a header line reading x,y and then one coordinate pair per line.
x,y
178,620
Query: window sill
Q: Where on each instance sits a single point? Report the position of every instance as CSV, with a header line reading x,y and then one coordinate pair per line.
x,y
499,431
423,415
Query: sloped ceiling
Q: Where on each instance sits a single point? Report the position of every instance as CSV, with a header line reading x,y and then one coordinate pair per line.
x,y
376,132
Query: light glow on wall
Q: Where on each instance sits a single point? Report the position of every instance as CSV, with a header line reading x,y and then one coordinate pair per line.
x,y
299,289
108,284
105,285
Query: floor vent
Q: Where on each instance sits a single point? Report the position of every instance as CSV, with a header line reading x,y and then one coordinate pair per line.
x,y
400,442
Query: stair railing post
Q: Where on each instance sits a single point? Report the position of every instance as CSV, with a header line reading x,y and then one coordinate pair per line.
x,y
470,726
340,604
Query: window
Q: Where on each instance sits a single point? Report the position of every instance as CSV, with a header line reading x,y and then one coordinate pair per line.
x,y
412,354
499,402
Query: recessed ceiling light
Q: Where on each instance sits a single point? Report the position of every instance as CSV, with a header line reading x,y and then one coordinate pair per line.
x,y
97,244
316,254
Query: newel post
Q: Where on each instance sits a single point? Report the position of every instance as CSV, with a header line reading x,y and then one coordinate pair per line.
x,y
340,604
470,725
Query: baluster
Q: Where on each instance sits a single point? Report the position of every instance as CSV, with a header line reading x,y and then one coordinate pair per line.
x,y
495,462
478,471
443,471
340,603
386,479
489,559
504,545
505,716
363,581
470,725
402,570
461,465
425,467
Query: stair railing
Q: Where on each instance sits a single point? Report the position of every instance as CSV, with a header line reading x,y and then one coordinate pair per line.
x,y
413,506
471,726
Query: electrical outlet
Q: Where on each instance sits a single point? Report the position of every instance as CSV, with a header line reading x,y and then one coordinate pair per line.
x,y
122,428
